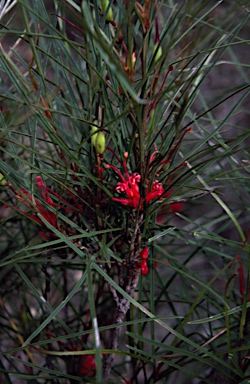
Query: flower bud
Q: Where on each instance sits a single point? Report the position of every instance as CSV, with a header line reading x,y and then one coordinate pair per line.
x,y
144,253
94,132
144,268
2,180
165,166
105,4
158,49
133,59
100,143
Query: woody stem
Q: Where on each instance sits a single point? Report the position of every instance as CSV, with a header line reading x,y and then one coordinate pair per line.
x,y
123,306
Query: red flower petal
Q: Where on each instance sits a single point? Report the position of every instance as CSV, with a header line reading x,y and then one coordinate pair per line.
x,y
144,253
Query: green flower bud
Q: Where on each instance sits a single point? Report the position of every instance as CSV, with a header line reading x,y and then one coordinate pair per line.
x,y
166,166
2,180
100,143
94,132
105,4
158,55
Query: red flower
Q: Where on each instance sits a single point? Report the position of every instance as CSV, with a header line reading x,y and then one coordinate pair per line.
x,y
130,187
88,366
24,197
173,207
176,207
166,162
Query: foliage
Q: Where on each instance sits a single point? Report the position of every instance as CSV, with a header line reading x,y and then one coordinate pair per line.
x,y
124,190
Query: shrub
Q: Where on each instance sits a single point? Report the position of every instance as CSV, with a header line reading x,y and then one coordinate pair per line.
x,y
124,187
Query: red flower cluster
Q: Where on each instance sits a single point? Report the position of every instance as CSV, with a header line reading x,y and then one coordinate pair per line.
x,y
130,186
24,197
